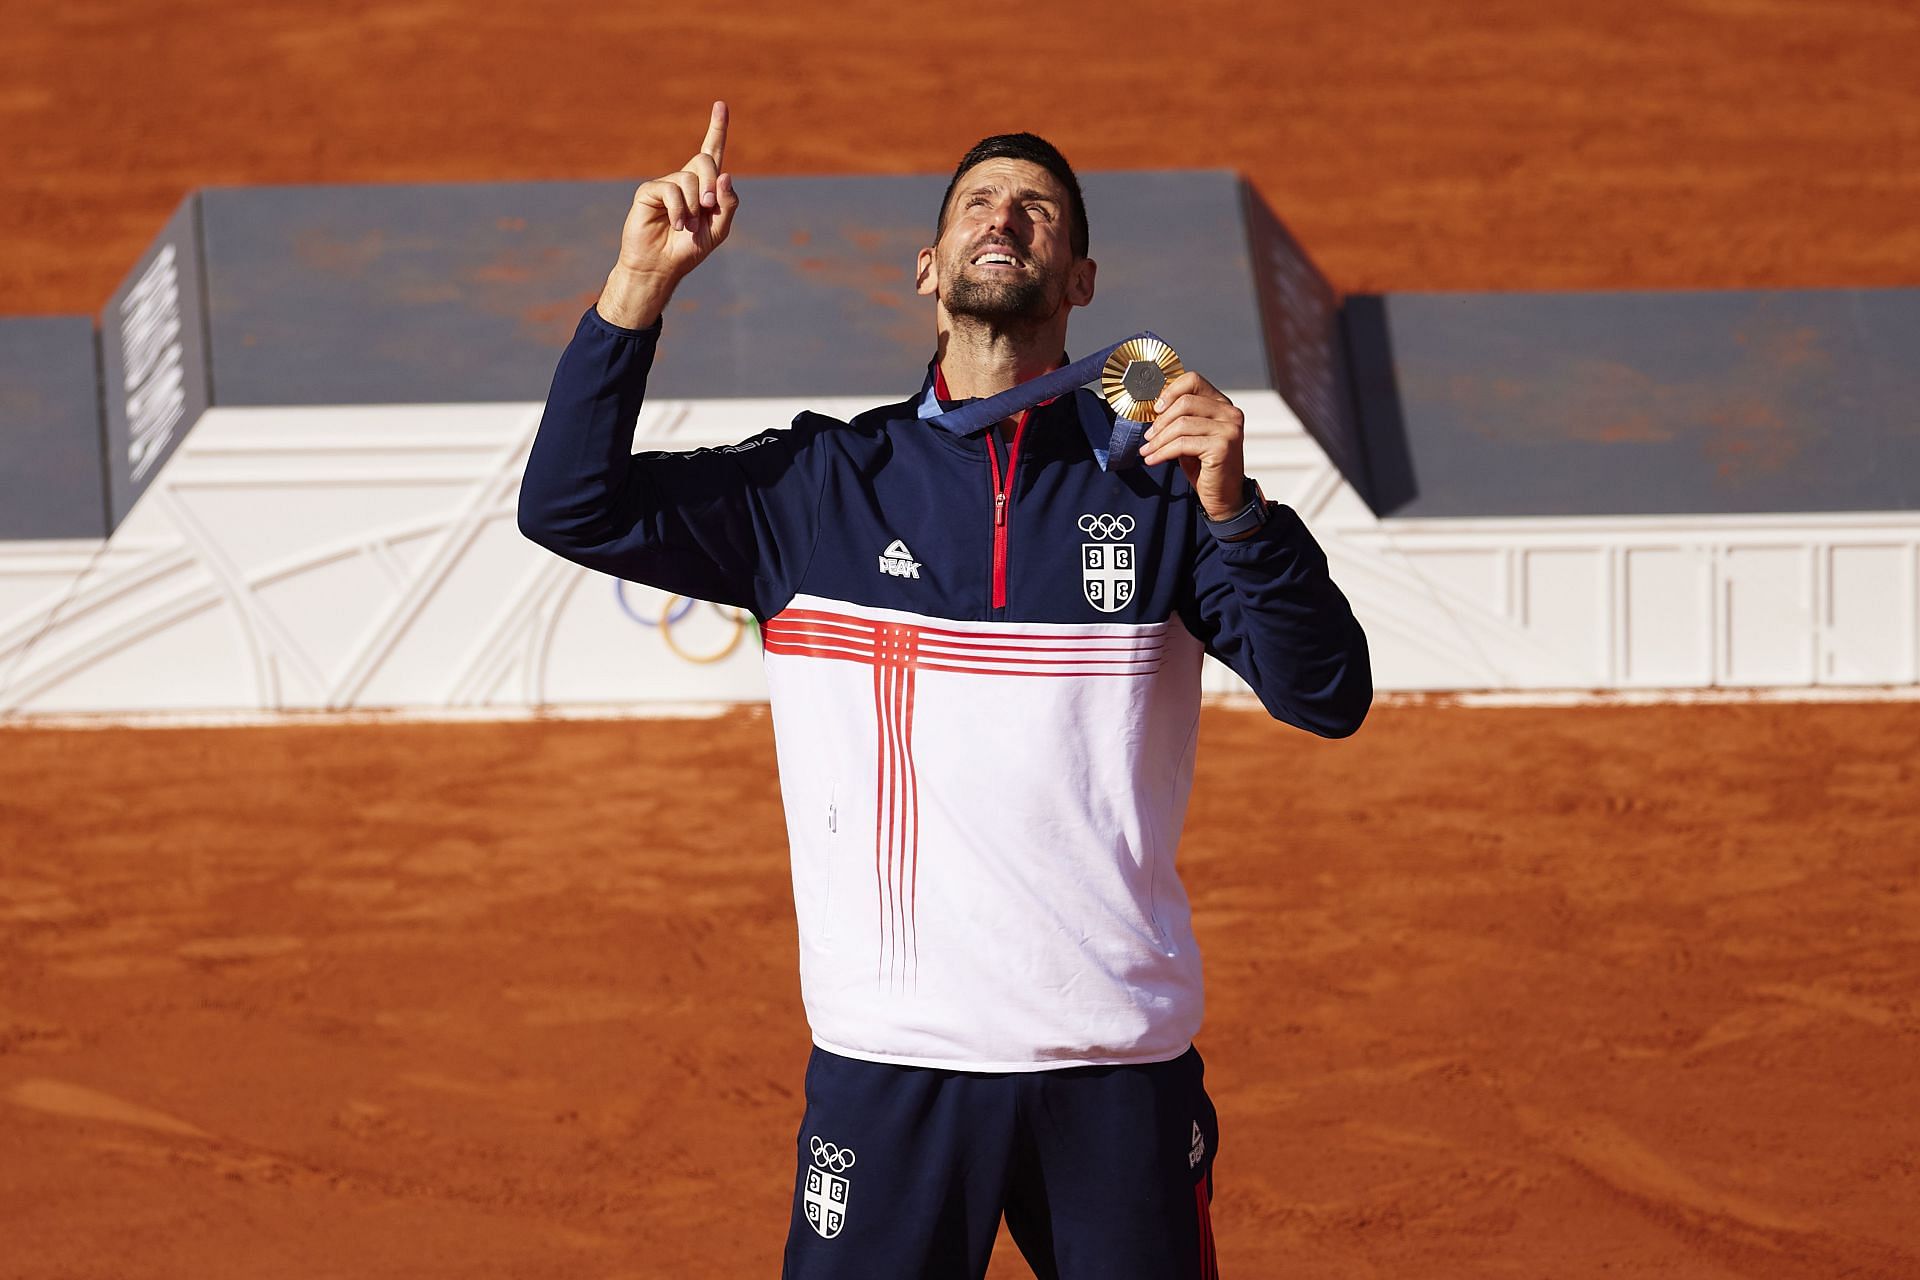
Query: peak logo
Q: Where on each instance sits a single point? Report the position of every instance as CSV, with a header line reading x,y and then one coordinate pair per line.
x,y
898,562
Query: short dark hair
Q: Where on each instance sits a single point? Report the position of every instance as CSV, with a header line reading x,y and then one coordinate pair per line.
x,y
1034,150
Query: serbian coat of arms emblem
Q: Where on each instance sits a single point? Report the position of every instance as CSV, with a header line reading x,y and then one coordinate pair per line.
x,y
1106,564
825,1196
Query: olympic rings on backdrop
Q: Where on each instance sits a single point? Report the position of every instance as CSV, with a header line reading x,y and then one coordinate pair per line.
x,y
740,619
1106,528
829,1156
620,595
673,610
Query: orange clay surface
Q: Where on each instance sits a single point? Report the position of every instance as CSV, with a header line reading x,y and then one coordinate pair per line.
x,y
1412,144
1523,993
1532,993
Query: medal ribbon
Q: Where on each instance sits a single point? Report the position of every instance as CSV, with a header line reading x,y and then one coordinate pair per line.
x,y
1122,451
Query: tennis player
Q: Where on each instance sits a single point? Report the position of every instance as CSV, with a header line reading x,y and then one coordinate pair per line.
x,y
984,608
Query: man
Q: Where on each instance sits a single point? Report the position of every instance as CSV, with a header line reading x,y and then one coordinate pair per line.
x,y
983,653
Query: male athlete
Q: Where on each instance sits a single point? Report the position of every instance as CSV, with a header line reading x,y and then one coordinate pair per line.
x,y
983,645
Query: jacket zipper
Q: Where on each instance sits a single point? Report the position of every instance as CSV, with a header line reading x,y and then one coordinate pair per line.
x,y
1002,495
1002,491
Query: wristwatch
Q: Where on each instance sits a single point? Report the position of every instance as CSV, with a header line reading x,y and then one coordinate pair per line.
x,y
1245,520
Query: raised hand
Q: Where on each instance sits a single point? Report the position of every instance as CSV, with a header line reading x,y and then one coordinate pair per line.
x,y
1198,425
674,223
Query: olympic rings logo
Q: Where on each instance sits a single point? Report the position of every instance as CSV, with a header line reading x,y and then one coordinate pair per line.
x,y
829,1156
674,609
1106,528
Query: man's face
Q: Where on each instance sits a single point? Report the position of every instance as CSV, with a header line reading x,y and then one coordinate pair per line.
x,y
1006,252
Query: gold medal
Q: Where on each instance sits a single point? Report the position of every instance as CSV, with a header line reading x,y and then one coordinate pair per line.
x,y
1135,375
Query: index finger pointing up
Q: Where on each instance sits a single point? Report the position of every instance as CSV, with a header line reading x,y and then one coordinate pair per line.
x,y
716,143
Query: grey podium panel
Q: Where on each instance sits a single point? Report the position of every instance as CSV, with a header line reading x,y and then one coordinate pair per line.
x,y
1430,404
1306,348
1642,403
50,478
449,293
153,353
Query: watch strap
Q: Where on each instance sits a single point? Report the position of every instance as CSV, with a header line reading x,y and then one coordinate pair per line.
x,y
1245,520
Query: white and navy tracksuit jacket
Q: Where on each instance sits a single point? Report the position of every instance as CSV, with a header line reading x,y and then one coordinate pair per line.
x,y
984,666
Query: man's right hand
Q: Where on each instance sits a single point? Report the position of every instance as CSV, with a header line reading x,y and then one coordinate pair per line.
x,y
675,222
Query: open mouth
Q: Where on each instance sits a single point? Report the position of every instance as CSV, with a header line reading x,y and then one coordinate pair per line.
x,y
998,258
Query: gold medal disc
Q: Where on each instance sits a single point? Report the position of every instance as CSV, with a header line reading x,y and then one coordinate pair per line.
x,y
1135,375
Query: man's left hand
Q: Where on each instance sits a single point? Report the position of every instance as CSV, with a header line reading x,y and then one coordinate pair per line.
x,y
1202,428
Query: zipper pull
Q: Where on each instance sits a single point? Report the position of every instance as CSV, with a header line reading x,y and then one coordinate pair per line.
x,y
999,510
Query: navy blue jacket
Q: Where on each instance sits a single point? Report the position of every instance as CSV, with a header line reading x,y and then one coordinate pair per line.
x,y
810,510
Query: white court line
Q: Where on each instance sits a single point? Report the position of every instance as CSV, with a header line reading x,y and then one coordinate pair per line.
x,y
1612,697
400,715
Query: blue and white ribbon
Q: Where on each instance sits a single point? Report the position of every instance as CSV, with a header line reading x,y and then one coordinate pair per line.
x,y
1121,452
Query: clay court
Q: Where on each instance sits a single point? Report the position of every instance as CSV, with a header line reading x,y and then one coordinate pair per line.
x,y
1621,990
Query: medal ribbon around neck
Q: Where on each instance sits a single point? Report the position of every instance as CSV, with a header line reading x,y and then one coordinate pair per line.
x,y
1132,373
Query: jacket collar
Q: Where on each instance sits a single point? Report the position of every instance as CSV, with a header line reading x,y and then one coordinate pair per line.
x,y
1094,414
933,398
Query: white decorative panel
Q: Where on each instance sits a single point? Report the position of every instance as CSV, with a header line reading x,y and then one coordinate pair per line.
x,y
327,608
442,623
1564,609
376,440
1668,631
410,550
198,661
1217,677
292,559
26,598
1767,595
1473,578
1870,615
1342,507
1410,658
1284,482
296,684
266,523
606,652
108,605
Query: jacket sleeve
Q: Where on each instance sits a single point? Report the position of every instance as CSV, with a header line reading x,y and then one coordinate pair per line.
x,y
735,525
1267,607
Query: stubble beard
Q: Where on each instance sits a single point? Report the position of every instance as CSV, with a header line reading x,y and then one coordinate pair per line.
x,y
999,304
998,300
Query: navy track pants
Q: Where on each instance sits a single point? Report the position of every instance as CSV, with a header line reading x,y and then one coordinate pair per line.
x,y
1101,1172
